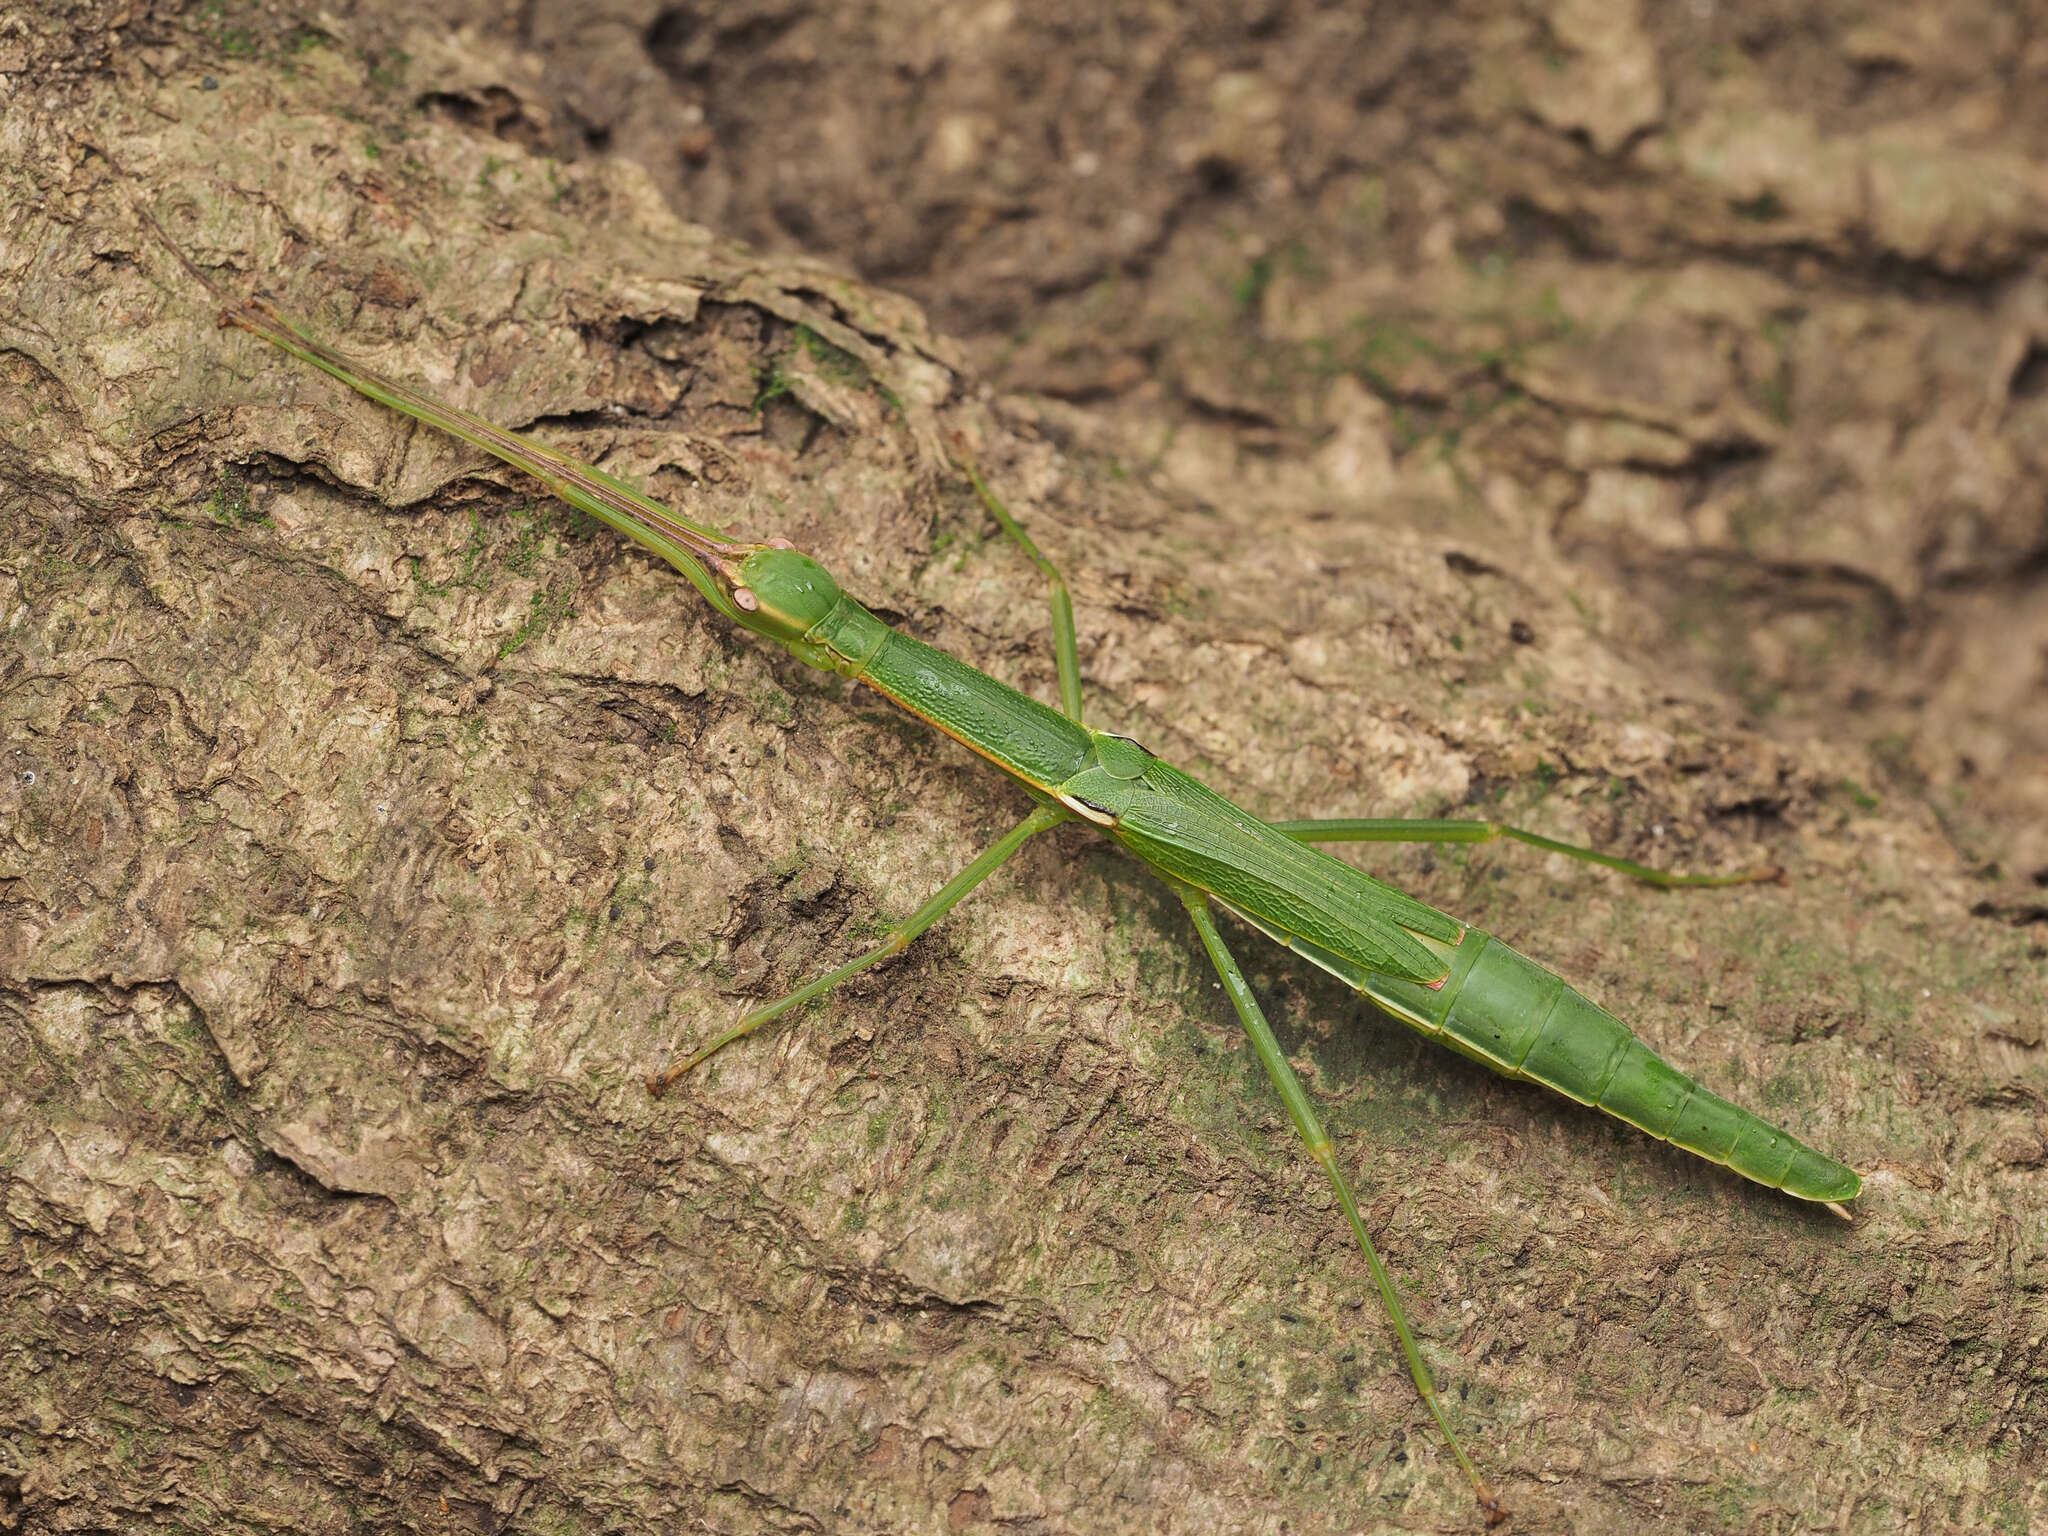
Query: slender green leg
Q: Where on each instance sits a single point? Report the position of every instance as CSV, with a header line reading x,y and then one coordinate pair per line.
x,y
1416,830
1065,652
1321,1149
950,895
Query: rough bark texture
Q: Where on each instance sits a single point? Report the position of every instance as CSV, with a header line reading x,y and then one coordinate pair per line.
x,y
368,827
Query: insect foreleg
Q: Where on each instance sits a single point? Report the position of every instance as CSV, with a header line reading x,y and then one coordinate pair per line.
x,y
1417,830
1321,1149
950,895
1065,651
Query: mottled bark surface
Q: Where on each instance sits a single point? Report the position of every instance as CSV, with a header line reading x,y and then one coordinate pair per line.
x,y
368,825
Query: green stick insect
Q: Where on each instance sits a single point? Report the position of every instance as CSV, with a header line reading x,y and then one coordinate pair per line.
x,y
1451,981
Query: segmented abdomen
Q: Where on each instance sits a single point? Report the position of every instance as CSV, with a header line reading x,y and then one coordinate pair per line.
x,y
1524,1021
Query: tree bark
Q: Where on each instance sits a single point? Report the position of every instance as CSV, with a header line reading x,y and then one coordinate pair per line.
x,y
372,826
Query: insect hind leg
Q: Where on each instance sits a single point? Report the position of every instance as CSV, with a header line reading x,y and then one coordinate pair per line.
x,y
1402,829
1323,1151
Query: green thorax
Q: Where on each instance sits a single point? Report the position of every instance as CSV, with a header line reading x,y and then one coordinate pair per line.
x,y
1175,823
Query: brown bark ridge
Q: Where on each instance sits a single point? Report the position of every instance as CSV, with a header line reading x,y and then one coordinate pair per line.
x,y
371,825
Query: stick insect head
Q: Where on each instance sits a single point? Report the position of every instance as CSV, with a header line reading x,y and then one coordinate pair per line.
x,y
785,592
